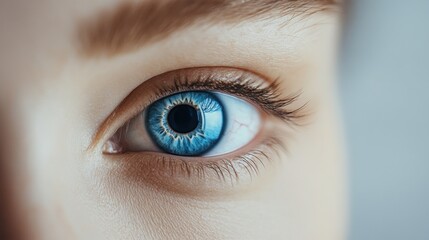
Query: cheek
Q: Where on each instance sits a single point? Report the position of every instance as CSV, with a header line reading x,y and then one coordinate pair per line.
x,y
142,211
13,178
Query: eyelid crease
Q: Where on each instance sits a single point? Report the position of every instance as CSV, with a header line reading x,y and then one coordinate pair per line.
x,y
238,82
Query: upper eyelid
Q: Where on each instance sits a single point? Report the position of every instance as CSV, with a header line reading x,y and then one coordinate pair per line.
x,y
136,102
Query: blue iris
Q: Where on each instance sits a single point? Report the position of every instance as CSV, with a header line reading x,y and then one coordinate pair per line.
x,y
186,123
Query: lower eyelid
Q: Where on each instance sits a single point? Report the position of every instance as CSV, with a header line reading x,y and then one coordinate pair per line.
x,y
205,177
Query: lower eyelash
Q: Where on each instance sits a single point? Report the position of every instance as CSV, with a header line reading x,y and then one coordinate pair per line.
x,y
251,162
226,170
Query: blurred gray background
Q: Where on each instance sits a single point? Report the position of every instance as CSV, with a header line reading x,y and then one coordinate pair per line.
x,y
385,101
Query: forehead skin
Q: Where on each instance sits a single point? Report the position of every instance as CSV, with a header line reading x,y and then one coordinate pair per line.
x,y
53,98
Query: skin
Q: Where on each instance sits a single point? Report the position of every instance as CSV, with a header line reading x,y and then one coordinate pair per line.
x,y
54,100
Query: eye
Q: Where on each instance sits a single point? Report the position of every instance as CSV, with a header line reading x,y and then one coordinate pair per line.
x,y
191,123
199,123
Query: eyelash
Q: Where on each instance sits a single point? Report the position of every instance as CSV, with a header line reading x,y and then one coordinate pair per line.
x,y
226,170
267,97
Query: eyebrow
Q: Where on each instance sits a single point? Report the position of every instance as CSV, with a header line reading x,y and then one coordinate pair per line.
x,y
132,25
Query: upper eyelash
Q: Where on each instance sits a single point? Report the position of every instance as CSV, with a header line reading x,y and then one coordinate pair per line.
x,y
268,97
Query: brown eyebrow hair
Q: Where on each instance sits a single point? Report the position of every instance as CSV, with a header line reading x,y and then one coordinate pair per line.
x,y
131,25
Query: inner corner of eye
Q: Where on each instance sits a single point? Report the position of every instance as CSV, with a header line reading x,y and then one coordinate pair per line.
x,y
192,123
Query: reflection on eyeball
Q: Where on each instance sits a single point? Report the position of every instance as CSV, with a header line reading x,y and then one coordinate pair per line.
x,y
243,124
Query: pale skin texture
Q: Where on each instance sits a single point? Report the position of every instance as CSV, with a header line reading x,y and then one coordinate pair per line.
x,y
54,100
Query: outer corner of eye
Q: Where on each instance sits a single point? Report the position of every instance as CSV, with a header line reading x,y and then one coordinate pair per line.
x,y
191,123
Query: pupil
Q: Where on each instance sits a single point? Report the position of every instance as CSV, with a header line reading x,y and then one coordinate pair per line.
x,y
183,118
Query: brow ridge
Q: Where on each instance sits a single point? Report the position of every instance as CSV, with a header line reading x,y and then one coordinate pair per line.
x,y
131,25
